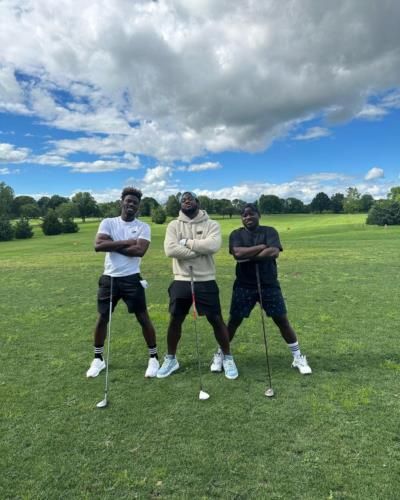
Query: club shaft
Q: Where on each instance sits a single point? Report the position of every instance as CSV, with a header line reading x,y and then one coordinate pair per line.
x,y
260,300
195,325
109,336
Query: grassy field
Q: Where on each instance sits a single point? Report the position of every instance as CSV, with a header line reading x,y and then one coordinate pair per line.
x,y
332,435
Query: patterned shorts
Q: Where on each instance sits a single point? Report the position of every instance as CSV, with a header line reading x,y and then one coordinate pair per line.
x,y
244,300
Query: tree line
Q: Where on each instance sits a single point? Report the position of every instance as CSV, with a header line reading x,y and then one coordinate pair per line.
x,y
58,212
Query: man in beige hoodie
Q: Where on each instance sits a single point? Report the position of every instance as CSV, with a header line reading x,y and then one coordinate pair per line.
x,y
191,240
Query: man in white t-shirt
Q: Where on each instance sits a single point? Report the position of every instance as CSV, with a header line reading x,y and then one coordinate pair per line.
x,y
125,239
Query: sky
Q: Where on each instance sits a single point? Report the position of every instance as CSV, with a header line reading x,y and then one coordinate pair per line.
x,y
227,98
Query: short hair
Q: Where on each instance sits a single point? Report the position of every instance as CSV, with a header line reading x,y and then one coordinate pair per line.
x,y
251,206
193,195
133,191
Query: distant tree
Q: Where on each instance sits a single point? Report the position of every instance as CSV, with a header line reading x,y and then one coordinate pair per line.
x,y
67,210
86,205
172,206
23,230
56,200
147,205
158,215
270,204
394,193
6,230
206,204
320,203
351,204
30,211
43,204
238,205
68,225
51,225
366,202
110,209
293,206
337,201
6,199
20,201
384,212
223,207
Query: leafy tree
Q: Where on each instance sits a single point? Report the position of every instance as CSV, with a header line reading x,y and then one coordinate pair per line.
x,y
206,204
351,204
19,202
238,205
337,201
23,230
56,200
172,206
394,193
30,211
6,199
86,204
270,204
110,208
67,211
384,212
6,229
158,215
43,204
223,207
320,203
293,206
147,205
366,202
51,224
68,225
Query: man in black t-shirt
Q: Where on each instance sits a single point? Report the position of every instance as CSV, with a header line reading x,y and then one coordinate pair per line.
x,y
254,245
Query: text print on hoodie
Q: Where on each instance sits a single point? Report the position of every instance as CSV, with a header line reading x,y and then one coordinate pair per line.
x,y
203,240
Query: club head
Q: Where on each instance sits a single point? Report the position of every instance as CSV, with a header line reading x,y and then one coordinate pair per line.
x,y
269,393
203,395
102,404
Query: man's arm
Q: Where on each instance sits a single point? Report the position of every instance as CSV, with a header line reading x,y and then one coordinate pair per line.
x,y
256,252
104,243
173,248
137,249
209,245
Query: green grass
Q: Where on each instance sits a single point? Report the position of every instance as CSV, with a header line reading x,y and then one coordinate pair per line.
x,y
333,435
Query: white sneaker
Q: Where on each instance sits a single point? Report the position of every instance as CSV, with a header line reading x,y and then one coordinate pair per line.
x,y
216,363
152,368
95,368
230,367
300,362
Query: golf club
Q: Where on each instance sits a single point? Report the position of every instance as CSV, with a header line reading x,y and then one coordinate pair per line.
x,y
269,393
104,402
203,395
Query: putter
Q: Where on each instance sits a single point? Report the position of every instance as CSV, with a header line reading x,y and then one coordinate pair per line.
x,y
203,395
104,402
269,392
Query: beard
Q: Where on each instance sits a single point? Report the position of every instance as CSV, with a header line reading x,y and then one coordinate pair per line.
x,y
189,211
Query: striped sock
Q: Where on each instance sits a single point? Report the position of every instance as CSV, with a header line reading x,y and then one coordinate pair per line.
x,y
98,351
153,351
295,349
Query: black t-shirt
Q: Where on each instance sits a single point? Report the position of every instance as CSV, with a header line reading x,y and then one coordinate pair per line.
x,y
246,271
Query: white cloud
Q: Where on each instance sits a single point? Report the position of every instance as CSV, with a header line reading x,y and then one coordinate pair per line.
x,y
5,171
313,133
374,173
175,79
201,167
9,153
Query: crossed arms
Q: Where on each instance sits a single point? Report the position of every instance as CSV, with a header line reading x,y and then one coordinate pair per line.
x,y
129,248
257,252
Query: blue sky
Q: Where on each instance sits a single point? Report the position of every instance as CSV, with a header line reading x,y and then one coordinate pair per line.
x,y
229,99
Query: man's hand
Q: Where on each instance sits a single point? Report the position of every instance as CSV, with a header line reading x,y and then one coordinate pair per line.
x,y
182,242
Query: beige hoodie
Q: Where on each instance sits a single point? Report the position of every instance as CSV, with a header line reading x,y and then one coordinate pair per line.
x,y
203,240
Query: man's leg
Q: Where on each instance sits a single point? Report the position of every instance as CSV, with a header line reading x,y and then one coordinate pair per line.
x,y
100,333
149,335
174,333
288,333
233,325
222,337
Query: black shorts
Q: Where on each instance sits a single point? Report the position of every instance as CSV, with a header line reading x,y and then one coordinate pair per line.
x,y
244,300
127,288
206,296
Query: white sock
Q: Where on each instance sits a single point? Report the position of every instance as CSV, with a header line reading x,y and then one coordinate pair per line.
x,y
295,349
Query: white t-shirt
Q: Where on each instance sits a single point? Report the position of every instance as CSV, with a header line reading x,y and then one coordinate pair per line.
x,y
115,264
